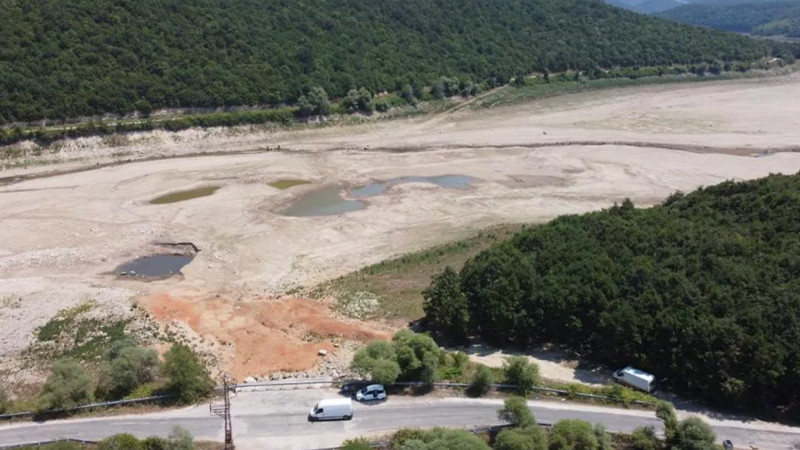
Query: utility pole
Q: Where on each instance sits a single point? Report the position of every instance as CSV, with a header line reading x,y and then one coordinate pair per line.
x,y
224,410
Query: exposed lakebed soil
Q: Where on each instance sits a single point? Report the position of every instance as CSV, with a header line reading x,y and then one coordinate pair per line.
x,y
526,163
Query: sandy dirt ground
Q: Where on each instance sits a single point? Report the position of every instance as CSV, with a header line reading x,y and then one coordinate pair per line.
x,y
530,163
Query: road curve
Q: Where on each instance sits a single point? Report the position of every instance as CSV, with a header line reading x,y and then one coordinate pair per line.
x,y
278,420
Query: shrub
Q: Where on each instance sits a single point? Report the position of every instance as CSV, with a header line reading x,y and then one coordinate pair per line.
x,y
155,443
381,105
481,382
666,413
356,444
68,385
417,356
516,412
603,438
694,434
180,439
188,379
522,373
120,442
5,402
644,438
406,434
131,367
460,359
378,361
528,438
573,434
440,438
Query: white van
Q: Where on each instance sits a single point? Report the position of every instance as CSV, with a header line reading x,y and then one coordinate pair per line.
x,y
636,378
332,409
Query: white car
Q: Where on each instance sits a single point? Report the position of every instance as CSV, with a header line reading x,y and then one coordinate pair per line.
x,y
371,392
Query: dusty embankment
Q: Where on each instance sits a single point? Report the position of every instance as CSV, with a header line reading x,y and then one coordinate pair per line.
x,y
72,230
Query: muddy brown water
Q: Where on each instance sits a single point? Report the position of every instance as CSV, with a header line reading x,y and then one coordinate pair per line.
x,y
182,196
154,266
330,201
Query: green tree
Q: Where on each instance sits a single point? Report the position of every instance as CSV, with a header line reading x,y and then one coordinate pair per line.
x,y
522,373
188,379
694,434
516,412
573,434
532,437
314,103
446,307
378,361
481,382
417,355
67,386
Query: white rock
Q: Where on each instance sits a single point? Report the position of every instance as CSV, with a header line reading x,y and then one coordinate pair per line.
x,y
249,380
322,352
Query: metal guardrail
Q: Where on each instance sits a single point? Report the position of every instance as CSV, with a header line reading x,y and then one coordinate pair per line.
x,y
41,443
83,407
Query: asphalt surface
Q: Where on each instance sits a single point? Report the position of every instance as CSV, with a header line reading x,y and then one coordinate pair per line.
x,y
278,420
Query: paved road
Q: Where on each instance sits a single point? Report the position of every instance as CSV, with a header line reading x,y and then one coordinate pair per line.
x,y
278,420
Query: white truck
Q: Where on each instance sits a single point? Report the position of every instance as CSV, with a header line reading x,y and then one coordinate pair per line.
x,y
636,378
332,409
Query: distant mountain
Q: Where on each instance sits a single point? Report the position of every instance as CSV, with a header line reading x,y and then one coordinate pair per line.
x,y
657,6
767,19
647,6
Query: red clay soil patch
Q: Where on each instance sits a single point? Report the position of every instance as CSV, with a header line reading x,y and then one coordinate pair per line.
x,y
262,335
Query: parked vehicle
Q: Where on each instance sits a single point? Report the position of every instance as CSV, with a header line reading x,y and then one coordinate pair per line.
x,y
371,393
636,378
332,409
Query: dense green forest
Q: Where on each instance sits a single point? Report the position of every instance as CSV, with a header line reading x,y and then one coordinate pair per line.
x,y
768,19
85,57
703,291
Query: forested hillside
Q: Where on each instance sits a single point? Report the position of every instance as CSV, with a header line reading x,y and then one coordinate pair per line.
x,y
703,291
83,57
768,19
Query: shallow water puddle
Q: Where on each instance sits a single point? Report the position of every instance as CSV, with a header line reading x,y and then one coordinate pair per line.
x,y
286,183
330,201
181,196
154,266
325,202
445,181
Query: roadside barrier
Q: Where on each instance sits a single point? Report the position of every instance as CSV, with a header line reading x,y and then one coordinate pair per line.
x,y
13,416
41,443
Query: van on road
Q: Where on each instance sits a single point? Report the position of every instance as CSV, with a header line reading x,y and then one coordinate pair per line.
x,y
332,409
